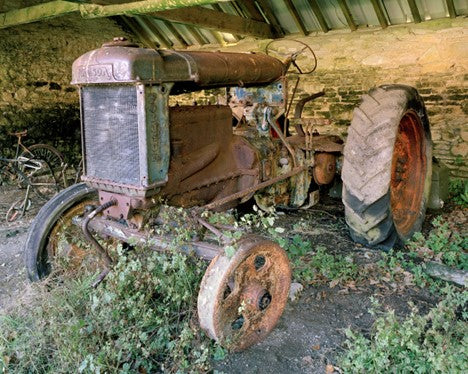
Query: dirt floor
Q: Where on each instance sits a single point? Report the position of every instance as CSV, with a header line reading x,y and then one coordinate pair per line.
x,y
311,332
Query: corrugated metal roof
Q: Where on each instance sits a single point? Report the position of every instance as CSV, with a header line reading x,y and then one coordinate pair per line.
x,y
363,13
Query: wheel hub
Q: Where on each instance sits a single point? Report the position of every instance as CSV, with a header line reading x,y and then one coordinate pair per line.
x,y
408,173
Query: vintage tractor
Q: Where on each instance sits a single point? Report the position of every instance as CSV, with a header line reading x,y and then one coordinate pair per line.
x,y
140,152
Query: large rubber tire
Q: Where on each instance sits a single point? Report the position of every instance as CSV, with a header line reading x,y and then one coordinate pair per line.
x,y
387,167
51,214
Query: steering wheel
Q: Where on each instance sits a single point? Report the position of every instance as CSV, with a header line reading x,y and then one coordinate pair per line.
x,y
301,56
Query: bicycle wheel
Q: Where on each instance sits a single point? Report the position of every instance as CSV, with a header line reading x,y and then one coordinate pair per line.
x,y
51,156
17,209
42,164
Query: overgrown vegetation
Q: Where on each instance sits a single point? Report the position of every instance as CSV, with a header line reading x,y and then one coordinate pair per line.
x,y
458,191
141,319
435,342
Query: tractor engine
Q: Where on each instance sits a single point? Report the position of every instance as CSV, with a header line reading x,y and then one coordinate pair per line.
x,y
136,147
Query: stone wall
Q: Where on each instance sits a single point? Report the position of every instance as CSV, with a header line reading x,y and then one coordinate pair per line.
x,y
35,74
431,56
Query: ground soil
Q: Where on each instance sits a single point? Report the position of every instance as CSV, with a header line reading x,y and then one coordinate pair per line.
x,y
311,332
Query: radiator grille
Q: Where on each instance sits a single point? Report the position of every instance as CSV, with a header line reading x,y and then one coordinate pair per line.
x,y
110,121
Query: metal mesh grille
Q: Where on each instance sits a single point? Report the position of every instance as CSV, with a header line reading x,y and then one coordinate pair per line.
x,y
111,133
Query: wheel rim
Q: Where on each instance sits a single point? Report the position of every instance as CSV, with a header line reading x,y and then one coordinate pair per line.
x,y
241,299
62,243
408,173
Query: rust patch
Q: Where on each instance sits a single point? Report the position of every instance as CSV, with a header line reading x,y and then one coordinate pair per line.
x,y
408,171
242,298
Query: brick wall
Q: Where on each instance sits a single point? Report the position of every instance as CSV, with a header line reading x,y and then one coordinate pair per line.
x,y
35,74
431,56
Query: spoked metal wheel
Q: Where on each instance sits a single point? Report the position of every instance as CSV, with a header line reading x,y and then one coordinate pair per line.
x,y
242,298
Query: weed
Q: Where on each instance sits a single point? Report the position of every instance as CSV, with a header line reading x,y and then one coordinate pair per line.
x,y
442,244
139,320
431,343
458,191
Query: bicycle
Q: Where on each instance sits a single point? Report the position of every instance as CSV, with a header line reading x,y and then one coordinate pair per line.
x,y
38,168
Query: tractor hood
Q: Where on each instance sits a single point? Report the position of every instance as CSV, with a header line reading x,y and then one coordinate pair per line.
x,y
123,62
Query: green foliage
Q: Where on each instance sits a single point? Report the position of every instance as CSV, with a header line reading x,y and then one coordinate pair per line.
x,y
432,343
139,320
442,244
458,191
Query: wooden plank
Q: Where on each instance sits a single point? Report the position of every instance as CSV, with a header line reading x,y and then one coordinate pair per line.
x,y
380,14
218,8
318,13
196,34
139,7
176,34
296,17
37,13
136,29
347,13
219,21
250,8
271,18
153,29
414,11
451,8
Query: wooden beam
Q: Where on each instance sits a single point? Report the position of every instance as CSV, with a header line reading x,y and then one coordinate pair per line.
x,y
271,17
451,8
347,13
176,33
153,29
218,8
296,17
219,21
136,29
139,7
414,11
197,35
318,13
380,14
37,13
59,8
250,8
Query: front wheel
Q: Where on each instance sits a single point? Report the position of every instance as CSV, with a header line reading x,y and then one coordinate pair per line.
x,y
387,167
52,232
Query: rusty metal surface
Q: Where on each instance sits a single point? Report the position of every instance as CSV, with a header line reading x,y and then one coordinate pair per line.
x,y
241,298
325,168
190,70
318,143
208,161
62,234
408,173
112,229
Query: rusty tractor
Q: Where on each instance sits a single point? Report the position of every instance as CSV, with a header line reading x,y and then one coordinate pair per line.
x,y
138,151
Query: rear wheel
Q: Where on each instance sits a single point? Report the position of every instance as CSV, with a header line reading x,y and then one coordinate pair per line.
x,y
52,234
387,167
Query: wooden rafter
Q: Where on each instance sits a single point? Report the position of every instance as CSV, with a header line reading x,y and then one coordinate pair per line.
x,y
251,9
176,34
218,8
451,8
219,21
196,35
318,13
153,29
347,13
296,17
414,11
380,13
136,29
271,18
